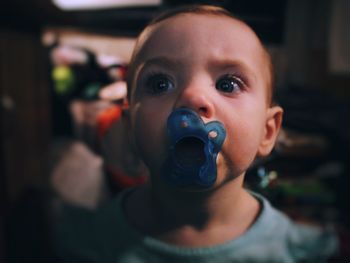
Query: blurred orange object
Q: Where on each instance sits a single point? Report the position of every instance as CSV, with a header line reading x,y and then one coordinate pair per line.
x,y
107,118
121,180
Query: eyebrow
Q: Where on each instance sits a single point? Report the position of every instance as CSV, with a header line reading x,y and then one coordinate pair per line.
x,y
229,63
236,65
215,63
167,62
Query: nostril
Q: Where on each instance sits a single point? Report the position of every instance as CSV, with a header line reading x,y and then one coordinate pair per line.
x,y
203,110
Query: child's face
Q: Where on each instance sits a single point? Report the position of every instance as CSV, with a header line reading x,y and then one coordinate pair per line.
x,y
215,66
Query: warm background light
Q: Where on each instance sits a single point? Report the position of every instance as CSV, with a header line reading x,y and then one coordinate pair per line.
x,y
102,4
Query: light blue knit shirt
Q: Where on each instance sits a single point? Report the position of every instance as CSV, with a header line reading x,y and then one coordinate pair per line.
x,y
106,236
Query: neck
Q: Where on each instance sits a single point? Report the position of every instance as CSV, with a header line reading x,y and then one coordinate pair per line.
x,y
197,208
184,218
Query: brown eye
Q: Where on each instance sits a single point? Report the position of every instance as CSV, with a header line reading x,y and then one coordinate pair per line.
x,y
159,83
229,84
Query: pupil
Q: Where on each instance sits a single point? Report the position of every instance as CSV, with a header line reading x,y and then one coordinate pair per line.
x,y
226,85
161,85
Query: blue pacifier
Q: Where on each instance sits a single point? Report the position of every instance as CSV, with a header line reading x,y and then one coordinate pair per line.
x,y
193,149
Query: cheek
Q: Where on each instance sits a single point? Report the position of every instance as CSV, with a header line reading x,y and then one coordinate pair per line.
x,y
241,145
244,134
149,134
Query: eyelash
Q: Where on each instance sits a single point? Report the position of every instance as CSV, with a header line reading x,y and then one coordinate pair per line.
x,y
232,82
157,83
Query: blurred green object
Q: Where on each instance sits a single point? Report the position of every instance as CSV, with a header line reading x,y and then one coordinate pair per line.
x,y
265,177
91,91
307,189
64,80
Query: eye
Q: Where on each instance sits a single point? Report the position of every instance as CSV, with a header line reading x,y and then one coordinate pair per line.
x,y
159,83
229,84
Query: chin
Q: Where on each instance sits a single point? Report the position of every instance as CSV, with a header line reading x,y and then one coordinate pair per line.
x,y
194,189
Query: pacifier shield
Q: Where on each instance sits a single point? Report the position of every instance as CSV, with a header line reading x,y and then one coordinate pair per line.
x,y
193,149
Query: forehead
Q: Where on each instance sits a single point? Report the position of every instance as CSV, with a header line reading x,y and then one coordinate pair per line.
x,y
188,33
196,40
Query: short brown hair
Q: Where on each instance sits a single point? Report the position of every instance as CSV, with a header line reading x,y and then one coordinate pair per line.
x,y
199,10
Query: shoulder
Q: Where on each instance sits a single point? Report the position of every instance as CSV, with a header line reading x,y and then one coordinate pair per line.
x,y
92,236
300,242
74,235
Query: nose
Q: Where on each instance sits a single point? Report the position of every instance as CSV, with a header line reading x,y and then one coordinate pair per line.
x,y
197,97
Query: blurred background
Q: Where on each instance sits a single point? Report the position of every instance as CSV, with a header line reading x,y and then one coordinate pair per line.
x,y
54,52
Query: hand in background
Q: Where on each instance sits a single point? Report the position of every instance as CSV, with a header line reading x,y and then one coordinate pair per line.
x,y
89,116
78,176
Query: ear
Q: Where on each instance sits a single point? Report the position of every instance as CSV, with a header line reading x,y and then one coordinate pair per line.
x,y
272,127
